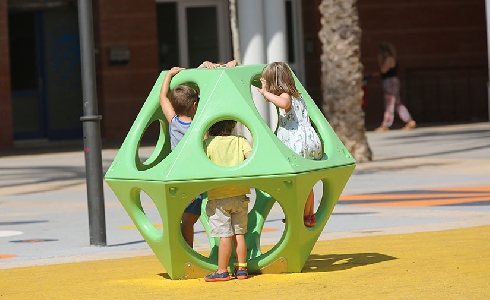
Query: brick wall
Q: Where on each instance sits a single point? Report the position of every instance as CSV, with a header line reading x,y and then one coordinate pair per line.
x,y
442,55
6,123
122,89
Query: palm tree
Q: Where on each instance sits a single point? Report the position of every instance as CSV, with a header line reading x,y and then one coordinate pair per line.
x,y
342,75
234,31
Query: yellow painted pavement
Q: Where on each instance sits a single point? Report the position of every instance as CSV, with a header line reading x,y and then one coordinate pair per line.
x,y
452,264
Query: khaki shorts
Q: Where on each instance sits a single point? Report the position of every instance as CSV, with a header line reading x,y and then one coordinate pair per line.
x,y
228,216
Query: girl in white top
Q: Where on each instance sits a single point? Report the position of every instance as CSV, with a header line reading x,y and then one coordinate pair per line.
x,y
295,129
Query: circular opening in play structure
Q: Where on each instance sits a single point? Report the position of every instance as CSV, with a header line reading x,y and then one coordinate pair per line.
x,y
264,222
242,130
267,110
313,203
273,227
148,151
196,226
255,81
150,218
226,143
191,227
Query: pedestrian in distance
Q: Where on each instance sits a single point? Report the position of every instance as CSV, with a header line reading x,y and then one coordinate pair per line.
x,y
388,69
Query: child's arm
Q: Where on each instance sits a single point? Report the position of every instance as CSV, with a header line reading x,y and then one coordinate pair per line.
x,y
247,148
232,63
282,101
167,107
208,65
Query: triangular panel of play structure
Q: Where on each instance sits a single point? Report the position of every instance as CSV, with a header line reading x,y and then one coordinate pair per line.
x,y
173,178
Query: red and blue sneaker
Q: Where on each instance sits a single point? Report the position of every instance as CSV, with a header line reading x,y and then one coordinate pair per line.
x,y
215,276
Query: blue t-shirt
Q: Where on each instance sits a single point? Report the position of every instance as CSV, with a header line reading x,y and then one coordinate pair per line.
x,y
177,130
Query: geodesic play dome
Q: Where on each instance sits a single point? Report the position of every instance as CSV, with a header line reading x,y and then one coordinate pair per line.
x,y
172,179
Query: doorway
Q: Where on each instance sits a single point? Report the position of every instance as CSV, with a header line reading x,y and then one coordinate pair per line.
x,y
45,74
190,32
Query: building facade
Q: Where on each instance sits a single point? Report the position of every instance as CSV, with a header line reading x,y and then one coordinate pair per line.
x,y
442,52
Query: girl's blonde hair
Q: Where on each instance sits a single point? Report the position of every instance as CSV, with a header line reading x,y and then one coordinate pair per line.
x,y
279,79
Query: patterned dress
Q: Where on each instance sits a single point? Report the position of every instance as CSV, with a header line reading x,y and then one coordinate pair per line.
x,y
296,132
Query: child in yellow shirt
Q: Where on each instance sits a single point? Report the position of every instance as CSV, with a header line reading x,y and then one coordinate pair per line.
x,y
227,207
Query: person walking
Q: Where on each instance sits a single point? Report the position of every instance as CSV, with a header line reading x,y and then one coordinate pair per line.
x,y
388,68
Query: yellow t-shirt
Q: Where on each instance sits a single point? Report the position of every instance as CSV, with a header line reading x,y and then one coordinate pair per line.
x,y
227,151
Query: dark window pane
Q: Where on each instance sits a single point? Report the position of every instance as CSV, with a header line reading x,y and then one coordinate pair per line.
x,y
22,34
168,41
290,32
202,35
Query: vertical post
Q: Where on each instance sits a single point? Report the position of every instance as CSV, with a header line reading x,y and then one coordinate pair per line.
x,y
275,30
251,27
91,128
487,8
275,40
251,34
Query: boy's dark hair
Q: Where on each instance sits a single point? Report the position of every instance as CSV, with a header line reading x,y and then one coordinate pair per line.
x,y
224,127
182,98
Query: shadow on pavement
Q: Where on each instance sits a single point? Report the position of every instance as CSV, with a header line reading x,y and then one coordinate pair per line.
x,y
339,262
334,262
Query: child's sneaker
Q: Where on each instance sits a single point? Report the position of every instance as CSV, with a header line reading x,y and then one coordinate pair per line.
x,y
241,274
240,271
215,276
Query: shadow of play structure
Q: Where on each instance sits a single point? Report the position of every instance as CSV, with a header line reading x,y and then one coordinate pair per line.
x,y
174,178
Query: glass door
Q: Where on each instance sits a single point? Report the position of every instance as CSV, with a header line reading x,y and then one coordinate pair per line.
x,y
45,74
191,32
26,75
63,79
168,35
205,26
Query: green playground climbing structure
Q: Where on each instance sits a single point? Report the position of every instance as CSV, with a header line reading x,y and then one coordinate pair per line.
x,y
172,179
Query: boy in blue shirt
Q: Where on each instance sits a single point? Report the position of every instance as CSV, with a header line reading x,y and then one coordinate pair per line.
x,y
179,110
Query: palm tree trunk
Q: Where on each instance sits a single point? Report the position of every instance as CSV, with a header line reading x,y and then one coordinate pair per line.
x,y
234,31
342,75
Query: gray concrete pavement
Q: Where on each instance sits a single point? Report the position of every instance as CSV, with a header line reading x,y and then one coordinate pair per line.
x,y
427,179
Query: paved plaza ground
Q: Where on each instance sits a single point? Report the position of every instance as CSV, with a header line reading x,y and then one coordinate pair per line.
x,y
412,224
